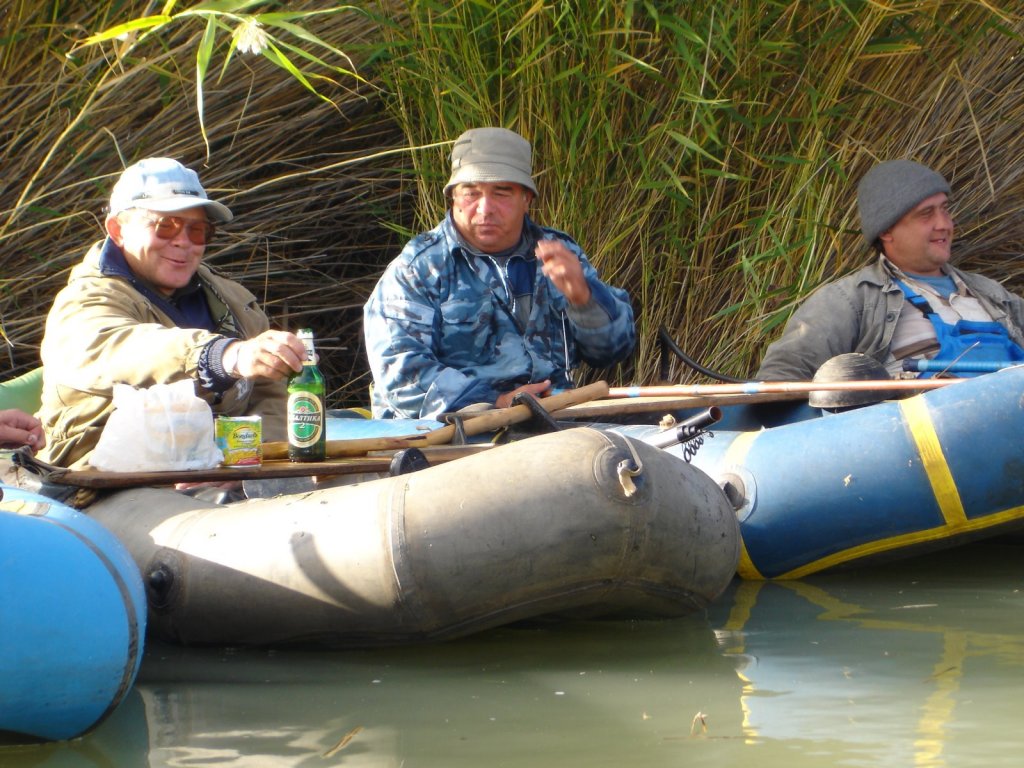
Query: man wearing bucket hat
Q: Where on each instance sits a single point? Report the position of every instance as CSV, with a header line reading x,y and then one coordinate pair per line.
x,y
488,304
142,308
909,309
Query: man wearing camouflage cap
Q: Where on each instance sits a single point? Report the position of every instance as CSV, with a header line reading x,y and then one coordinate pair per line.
x,y
909,309
488,304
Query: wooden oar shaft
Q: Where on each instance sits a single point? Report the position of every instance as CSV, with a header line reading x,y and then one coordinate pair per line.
x,y
338,449
766,387
488,421
477,424
377,463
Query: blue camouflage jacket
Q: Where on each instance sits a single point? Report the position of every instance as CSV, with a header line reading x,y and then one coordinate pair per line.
x,y
441,333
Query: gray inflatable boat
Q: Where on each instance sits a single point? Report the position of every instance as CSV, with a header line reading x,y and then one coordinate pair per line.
x,y
579,523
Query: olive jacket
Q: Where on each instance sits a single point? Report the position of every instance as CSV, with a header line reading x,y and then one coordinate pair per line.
x,y
103,329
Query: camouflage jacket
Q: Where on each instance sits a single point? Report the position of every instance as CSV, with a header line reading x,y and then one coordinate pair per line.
x,y
441,333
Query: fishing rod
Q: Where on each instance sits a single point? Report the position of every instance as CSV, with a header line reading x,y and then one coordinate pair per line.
x,y
957,366
778,387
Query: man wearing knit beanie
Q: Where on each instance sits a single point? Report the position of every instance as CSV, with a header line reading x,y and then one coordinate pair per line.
x,y
905,308
488,304
891,189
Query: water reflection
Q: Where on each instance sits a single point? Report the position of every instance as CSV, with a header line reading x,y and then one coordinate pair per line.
x,y
913,664
916,664
515,693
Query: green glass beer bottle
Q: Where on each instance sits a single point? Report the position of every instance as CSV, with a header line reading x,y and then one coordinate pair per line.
x,y
307,430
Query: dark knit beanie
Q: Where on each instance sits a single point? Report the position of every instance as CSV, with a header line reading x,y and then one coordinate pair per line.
x,y
892,188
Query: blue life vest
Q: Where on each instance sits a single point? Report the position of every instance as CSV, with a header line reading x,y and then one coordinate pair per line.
x,y
966,341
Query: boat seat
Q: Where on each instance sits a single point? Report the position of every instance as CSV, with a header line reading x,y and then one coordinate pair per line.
x,y
23,392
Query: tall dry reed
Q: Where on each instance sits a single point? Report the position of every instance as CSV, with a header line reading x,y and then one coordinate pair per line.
x,y
704,154
313,185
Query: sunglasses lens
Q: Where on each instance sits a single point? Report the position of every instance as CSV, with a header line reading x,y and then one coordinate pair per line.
x,y
200,232
168,227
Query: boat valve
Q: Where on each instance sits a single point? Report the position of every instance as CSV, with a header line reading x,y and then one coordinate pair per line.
x,y
160,580
735,490
406,461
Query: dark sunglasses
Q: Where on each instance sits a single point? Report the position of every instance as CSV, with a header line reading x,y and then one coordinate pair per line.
x,y
168,227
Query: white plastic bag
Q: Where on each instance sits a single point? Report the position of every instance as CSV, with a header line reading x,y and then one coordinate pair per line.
x,y
162,428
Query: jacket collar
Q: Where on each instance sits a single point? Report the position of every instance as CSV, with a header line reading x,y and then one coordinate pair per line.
x,y
187,306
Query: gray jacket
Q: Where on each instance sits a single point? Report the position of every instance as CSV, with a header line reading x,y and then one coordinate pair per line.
x,y
858,313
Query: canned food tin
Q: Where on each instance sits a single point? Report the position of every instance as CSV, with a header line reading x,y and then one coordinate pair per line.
x,y
240,439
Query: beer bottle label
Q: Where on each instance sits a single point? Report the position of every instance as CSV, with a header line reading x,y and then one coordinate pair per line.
x,y
305,419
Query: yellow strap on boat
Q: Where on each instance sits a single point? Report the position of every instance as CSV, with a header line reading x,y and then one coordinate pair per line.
x,y
947,497
915,411
746,568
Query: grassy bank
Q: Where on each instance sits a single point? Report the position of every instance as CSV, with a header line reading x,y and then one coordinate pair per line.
x,y
704,154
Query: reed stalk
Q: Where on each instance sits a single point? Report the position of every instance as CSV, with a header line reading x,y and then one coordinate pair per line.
x,y
704,154
310,177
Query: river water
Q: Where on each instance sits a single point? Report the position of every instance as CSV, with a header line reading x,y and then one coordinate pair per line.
x,y
918,663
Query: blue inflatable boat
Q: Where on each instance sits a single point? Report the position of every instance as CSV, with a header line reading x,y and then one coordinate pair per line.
x,y
72,620
879,482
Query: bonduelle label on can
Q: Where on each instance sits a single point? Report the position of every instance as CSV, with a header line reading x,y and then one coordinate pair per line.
x,y
240,439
